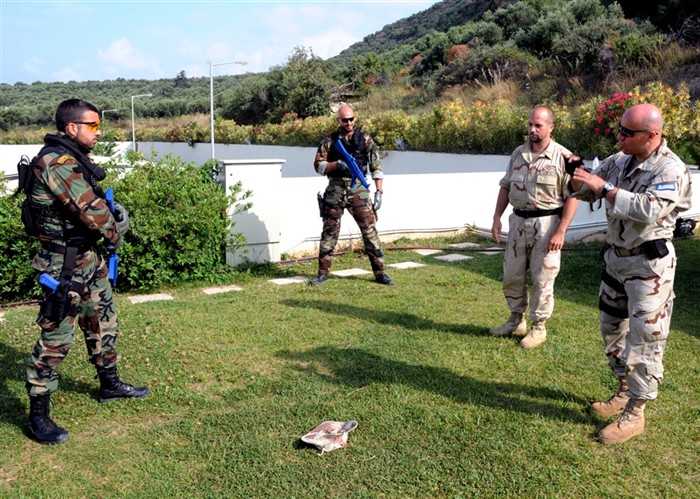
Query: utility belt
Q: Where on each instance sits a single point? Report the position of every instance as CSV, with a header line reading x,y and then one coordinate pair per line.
x,y
656,248
538,213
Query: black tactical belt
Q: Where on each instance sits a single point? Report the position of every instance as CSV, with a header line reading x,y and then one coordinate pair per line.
x,y
538,213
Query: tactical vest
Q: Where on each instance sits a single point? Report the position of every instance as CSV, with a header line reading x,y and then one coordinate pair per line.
x,y
355,146
34,215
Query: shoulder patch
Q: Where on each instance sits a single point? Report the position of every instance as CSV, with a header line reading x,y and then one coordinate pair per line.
x,y
665,186
64,159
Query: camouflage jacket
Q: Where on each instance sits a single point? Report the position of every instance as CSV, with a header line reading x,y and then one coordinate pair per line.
x,y
537,182
372,159
649,198
61,185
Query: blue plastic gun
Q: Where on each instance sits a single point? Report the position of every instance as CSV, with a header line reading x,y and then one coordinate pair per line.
x,y
113,257
354,169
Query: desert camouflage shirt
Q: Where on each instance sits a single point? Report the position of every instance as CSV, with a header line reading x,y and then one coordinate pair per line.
x,y
537,181
649,198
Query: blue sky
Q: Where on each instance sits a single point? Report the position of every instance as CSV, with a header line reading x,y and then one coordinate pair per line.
x,y
104,40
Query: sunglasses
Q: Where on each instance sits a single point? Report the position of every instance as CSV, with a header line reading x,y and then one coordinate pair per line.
x,y
629,132
93,126
348,120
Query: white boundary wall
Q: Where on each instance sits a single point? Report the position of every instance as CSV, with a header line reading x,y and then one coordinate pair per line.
x,y
424,193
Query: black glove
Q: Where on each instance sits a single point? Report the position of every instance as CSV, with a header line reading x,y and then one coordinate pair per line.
x,y
122,218
571,165
343,168
377,201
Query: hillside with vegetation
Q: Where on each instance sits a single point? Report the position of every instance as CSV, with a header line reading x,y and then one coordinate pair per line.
x,y
457,58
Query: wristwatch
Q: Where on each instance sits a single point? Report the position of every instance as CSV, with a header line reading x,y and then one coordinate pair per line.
x,y
606,188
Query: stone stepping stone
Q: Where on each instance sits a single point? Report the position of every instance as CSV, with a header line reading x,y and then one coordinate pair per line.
x,y
221,289
289,280
153,297
453,257
427,252
350,272
406,265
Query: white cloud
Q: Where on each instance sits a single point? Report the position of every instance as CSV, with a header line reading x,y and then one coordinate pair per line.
x,y
330,43
66,74
34,66
121,54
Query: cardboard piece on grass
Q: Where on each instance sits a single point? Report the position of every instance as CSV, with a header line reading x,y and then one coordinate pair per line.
x,y
330,435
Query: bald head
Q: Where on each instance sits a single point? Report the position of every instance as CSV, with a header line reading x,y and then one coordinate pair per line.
x,y
544,113
644,117
539,127
640,131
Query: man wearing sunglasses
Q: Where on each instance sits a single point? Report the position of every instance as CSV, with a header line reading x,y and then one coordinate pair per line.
x,y
645,186
344,193
66,210
535,184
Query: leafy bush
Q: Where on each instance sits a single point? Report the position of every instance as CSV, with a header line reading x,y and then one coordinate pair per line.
x,y
180,227
16,275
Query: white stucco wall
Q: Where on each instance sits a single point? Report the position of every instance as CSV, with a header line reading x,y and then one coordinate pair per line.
x,y
424,193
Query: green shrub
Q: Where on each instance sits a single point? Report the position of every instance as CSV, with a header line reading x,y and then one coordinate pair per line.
x,y
16,275
180,225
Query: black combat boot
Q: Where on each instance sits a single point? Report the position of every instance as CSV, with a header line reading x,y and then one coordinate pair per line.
x,y
112,388
40,426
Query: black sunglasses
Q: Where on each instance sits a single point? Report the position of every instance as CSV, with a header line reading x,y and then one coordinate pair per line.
x,y
347,120
629,132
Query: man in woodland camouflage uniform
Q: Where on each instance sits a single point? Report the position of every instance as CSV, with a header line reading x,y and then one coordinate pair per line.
x,y
645,187
340,195
69,215
535,184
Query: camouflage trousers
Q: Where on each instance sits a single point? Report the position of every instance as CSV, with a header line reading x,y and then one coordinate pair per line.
x,y
94,310
338,197
526,250
635,317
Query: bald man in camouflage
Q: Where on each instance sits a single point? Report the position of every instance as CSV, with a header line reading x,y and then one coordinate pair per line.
x,y
342,195
535,184
69,215
645,186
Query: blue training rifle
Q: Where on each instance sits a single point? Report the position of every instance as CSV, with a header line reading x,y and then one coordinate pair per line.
x,y
113,257
354,169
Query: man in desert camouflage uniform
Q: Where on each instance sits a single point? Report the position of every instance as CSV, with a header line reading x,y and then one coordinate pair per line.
x,y
645,187
535,184
340,195
71,218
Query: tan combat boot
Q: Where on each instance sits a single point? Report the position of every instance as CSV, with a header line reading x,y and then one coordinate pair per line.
x,y
615,404
515,325
629,424
536,336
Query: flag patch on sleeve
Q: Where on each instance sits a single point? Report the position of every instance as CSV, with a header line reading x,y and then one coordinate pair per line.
x,y
665,186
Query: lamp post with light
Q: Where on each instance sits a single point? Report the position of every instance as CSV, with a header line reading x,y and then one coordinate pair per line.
x,y
105,111
133,128
211,96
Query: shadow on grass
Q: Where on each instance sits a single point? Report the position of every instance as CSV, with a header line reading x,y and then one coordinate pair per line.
x,y
405,320
13,366
357,368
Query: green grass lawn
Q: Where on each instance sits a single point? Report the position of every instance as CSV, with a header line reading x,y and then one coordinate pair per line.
x,y
443,409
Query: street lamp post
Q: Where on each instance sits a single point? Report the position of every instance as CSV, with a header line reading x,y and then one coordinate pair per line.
x,y
104,111
133,128
211,96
